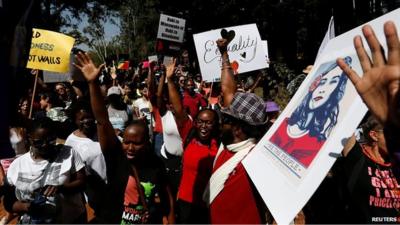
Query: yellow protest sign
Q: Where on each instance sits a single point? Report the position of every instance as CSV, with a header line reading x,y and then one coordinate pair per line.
x,y
50,51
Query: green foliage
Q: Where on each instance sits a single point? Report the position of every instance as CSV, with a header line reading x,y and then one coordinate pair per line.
x,y
277,81
139,25
67,13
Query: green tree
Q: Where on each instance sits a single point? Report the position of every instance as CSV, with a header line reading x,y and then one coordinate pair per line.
x,y
139,25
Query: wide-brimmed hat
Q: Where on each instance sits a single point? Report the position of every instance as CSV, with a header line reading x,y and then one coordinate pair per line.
x,y
247,107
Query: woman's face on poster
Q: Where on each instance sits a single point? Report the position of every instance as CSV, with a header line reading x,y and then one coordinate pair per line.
x,y
325,88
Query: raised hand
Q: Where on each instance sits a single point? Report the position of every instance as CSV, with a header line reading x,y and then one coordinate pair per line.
x,y
379,85
86,65
222,45
170,69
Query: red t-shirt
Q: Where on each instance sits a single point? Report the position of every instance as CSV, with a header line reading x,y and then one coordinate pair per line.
x,y
197,163
193,103
236,203
302,149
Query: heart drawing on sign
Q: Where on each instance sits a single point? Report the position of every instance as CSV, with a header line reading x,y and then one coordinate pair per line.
x,y
243,55
228,35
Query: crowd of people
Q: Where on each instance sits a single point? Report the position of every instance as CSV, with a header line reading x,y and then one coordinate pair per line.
x,y
161,146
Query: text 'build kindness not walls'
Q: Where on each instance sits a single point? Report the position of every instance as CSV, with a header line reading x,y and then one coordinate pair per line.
x,y
50,51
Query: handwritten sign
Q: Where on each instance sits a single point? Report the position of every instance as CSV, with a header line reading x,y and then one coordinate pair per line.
x,y
245,51
298,168
50,51
171,28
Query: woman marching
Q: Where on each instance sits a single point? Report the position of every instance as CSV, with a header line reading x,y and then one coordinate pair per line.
x,y
200,141
135,177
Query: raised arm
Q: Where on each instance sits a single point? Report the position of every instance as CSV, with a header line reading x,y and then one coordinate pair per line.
x,y
228,83
379,85
151,81
174,98
107,138
160,98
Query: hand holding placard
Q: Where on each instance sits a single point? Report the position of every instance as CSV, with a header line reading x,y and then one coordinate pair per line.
x,y
243,44
223,42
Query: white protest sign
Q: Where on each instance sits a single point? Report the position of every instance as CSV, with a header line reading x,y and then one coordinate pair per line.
x,y
171,28
246,52
286,177
168,60
53,77
265,47
72,74
153,58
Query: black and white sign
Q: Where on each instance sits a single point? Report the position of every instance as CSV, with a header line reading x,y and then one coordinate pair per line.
x,y
171,28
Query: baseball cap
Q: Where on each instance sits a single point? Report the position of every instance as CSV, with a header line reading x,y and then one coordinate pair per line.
x,y
114,91
247,107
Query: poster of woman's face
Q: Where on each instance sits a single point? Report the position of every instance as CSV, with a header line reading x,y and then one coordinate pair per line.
x,y
304,130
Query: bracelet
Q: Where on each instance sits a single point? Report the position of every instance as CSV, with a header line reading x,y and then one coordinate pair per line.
x,y
225,61
226,67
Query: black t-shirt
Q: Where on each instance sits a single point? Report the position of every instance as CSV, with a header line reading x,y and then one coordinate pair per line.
x,y
110,209
152,182
110,196
374,196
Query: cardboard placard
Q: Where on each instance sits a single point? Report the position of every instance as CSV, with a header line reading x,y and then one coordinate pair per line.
x,y
50,51
153,58
298,170
171,28
245,51
168,60
53,77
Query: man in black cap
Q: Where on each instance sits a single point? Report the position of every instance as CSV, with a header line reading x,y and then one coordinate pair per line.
x,y
231,194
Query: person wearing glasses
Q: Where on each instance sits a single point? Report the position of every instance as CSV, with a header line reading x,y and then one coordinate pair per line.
x,y
63,94
372,189
46,182
200,143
